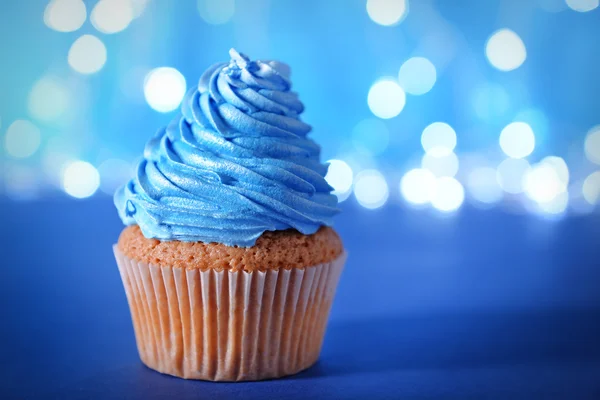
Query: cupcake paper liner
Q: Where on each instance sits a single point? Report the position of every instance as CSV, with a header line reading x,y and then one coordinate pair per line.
x,y
229,326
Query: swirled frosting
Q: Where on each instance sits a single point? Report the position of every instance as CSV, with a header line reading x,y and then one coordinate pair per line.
x,y
235,163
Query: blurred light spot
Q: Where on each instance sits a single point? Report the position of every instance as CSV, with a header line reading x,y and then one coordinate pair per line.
x,y
490,100
582,5
418,186
386,98
164,88
449,194
483,185
22,139
517,140
371,189
371,136
87,54
542,183
505,50
592,145
65,15
340,177
80,179
510,174
557,205
48,99
560,167
216,12
387,12
417,75
438,139
591,188
111,16
113,174
440,165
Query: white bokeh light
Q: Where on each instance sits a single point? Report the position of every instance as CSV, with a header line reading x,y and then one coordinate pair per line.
x,y
510,173
449,194
387,12
80,179
164,88
557,205
582,5
371,189
386,98
418,186
417,76
371,136
111,16
65,15
591,188
48,99
87,54
138,7
483,185
517,140
560,167
542,183
22,139
216,12
114,173
440,165
340,178
438,139
592,145
505,50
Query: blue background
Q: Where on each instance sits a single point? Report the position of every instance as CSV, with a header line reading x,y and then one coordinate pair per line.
x,y
498,302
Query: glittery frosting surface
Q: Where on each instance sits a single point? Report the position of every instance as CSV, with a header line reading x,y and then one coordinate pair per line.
x,y
236,162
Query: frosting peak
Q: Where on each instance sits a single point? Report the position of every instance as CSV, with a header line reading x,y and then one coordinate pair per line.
x,y
235,163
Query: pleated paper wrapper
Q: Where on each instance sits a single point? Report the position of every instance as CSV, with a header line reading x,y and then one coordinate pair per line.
x,y
229,326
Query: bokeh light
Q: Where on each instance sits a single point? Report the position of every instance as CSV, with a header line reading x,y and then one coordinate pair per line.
x,y
557,205
22,139
483,185
48,99
542,183
340,178
449,194
387,12
386,98
510,174
517,140
87,55
114,173
417,75
216,12
591,188
80,179
111,16
418,186
439,139
560,167
138,7
164,89
371,189
505,50
592,145
371,136
65,15
582,5
440,165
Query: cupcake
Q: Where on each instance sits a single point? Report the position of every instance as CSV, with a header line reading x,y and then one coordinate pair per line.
x,y
228,259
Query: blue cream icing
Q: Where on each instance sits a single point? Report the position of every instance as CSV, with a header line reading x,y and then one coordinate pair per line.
x,y
235,163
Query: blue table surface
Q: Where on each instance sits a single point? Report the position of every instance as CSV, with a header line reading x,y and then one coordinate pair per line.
x,y
480,305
